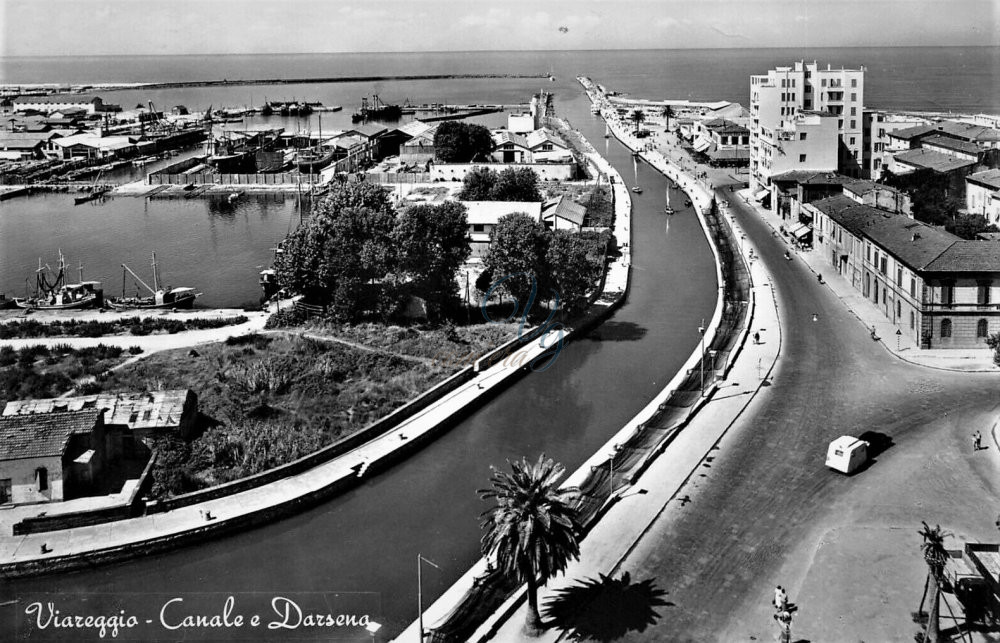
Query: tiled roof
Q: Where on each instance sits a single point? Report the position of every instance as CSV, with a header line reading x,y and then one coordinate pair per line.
x,y
937,161
502,137
564,208
914,243
860,186
968,256
157,409
950,143
989,178
369,130
42,436
541,136
811,177
907,133
722,126
953,129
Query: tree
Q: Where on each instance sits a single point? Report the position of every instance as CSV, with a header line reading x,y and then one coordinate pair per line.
x,y
478,184
575,262
515,184
638,117
935,555
930,194
458,142
353,195
431,244
993,341
343,254
967,226
517,256
667,113
533,527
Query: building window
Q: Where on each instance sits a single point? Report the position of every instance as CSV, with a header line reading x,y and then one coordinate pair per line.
x,y
42,478
945,328
854,96
899,309
913,287
478,227
854,83
982,328
882,264
840,124
899,276
853,140
802,158
913,320
947,295
854,110
823,83
983,293
802,136
854,124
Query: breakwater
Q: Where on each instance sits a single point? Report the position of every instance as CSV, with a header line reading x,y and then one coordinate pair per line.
x,y
307,81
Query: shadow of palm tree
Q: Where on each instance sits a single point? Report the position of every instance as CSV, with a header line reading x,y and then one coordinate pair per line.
x,y
605,609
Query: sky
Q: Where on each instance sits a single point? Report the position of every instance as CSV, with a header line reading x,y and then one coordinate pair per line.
x,y
114,27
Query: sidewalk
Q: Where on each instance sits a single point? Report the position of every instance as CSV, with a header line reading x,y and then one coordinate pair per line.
x,y
964,360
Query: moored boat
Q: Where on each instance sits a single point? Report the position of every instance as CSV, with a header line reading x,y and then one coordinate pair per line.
x,y
167,297
57,294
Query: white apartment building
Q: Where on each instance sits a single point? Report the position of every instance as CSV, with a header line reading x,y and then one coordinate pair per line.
x,y
880,147
780,95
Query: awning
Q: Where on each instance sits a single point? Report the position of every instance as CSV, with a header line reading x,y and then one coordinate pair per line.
x,y
800,230
702,144
759,195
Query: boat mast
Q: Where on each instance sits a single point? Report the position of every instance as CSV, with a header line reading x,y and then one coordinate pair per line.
x,y
156,283
137,278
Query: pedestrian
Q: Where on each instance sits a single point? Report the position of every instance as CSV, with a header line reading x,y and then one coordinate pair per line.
x,y
780,598
977,441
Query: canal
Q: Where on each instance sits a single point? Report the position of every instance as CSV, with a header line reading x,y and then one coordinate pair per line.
x,y
363,545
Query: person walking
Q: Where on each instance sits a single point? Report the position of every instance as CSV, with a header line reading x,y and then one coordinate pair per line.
x,y
756,338
977,441
780,598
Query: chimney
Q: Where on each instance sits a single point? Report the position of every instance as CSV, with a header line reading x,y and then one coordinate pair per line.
x,y
916,235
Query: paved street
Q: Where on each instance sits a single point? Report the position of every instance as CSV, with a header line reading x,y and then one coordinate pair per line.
x,y
766,503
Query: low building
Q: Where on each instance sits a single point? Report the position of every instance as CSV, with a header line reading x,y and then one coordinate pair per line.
x,y
879,195
722,142
55,456
546,147
92,146
982,195
47,105
939,290
879,147
789,190
146,415
562,213
522,123
510,147
484,215
949,165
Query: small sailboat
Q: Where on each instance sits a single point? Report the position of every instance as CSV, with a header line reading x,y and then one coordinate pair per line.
x,y
607,131
160,298
667,209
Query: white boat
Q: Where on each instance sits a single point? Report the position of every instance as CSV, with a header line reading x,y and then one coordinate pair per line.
x,y
159,298
667,209
637,189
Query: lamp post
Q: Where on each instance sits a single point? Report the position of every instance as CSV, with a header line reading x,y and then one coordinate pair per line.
x,y
701,331
420,596
712,353
611,470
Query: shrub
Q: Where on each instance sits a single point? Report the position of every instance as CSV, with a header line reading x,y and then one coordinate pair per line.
x,y
135,350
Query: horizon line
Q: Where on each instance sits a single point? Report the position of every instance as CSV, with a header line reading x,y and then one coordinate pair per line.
x,y
497,51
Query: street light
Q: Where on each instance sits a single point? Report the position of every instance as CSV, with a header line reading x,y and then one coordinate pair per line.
x,y
701,331
611,470
712,353
420,595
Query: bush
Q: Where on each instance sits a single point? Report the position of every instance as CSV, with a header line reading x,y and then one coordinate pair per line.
x,y
135,350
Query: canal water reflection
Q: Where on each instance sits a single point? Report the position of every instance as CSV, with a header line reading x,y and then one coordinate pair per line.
x,y
367,540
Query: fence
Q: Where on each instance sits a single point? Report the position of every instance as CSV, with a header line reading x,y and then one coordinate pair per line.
x,y
398,177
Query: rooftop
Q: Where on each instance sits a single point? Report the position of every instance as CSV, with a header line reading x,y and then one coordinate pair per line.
x,y
937,161
989,178
962,255
564,208
950,143
489,212
503,137
42,436
157,409
952,129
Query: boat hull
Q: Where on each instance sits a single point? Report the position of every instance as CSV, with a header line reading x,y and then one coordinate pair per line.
x,y
33,304
147,303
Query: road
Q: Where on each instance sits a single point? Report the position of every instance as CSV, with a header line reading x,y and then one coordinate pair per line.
x,y
765,505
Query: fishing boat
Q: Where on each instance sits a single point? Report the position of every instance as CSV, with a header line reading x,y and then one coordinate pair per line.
x,y
56,294
159,298
94,192
313,160
667,209
376,110
269,276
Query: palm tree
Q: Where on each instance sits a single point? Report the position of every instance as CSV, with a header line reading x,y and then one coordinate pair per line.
x,y
935,555
667,113
533,527
637,116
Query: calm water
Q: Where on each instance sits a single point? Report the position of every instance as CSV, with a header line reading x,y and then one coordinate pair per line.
x,y
368,539
198,238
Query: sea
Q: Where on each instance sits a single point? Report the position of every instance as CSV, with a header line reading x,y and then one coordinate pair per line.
x,y
219,247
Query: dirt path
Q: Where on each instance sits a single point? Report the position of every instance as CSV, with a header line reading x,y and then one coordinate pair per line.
x,y
361,347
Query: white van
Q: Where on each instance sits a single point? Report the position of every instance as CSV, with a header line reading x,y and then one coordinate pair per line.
x,y
846,454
